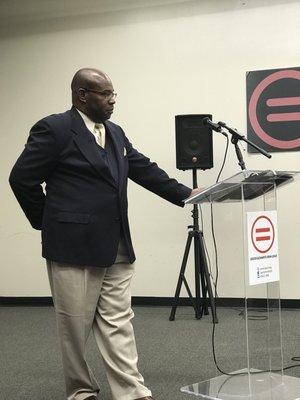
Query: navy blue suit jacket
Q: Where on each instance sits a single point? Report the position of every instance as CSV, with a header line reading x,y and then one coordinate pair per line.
x,y
83,210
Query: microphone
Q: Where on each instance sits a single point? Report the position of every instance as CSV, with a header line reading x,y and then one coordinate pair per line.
x,y
214,127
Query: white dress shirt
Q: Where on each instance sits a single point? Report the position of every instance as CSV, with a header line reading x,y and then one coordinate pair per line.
x,y
100,128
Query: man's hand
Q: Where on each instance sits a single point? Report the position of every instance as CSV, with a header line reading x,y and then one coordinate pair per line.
x,y
196,191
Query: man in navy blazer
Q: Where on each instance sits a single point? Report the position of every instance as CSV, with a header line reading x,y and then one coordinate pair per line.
x,y
85,161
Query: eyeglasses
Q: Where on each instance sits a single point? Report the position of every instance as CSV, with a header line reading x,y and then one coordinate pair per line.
x,y
108,95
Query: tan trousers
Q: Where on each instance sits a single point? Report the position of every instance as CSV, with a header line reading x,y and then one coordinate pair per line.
x,y
98,299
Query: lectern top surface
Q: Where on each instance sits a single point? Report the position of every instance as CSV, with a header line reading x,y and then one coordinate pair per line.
x,y
245,185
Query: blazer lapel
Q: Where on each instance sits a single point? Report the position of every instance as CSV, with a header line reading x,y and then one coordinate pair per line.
x,y
119,150
88,147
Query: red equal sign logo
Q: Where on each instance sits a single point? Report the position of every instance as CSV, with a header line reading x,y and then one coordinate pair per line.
x,y
262,234
265,231
284,116
279,129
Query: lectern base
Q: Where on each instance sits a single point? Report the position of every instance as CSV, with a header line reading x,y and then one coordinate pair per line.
x,y
263,386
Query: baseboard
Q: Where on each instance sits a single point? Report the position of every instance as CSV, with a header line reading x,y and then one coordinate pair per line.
x,y
220,302
150,301
26,301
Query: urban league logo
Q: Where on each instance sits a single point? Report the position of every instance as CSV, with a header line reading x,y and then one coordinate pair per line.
x,y
273,109
262,234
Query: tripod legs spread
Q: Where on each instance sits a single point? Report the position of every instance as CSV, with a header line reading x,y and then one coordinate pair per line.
x,y
201,277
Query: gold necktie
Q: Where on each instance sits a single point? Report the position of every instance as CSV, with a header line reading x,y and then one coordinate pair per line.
x,y
99,132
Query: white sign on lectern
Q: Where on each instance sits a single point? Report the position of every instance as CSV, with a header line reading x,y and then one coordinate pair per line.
x,y
263,259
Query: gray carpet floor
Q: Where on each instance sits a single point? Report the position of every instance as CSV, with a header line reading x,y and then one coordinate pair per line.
x,y
171,354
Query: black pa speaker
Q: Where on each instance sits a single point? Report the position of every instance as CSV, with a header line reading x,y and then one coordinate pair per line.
x,y
194,145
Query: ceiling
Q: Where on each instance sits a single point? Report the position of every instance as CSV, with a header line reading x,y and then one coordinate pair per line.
x,y
20,11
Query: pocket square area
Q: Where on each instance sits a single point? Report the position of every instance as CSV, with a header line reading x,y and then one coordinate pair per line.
x,y
125,151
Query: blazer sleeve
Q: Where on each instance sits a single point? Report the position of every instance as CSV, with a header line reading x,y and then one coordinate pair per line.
x,y
148,174
31,169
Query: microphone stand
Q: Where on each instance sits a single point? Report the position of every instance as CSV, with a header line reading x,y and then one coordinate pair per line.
x,y
235,137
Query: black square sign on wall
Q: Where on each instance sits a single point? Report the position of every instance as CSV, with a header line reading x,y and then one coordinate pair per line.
x,y
273,109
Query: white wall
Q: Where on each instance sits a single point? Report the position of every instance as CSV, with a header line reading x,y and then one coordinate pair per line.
x,y
188,57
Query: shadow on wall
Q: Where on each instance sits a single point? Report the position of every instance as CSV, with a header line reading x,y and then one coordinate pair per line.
x,y
18,18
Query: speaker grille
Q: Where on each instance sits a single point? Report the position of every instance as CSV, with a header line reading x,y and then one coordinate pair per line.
x,y
194,146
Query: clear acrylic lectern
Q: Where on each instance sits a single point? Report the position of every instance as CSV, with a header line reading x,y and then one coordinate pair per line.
x,y
259,368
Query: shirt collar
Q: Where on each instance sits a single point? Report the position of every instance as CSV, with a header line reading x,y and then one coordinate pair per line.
x,y
88,122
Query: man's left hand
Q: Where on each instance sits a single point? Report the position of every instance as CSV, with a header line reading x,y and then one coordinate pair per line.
x,y
196,191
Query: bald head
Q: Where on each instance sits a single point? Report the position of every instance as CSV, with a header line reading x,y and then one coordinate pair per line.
x,y
90,93
87,77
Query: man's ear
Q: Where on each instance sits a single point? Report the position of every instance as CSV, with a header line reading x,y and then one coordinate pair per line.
x,y
82,95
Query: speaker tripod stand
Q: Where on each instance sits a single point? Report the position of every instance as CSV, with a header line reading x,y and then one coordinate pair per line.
x,y
203,285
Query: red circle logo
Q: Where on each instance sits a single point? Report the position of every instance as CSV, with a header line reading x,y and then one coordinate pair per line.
x,y
262,234
252,109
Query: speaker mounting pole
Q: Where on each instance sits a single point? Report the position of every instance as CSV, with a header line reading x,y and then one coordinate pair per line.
x,y
203,285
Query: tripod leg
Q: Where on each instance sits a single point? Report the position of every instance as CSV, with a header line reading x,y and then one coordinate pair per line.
x,y
181,276
198,313
207,279
203,277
